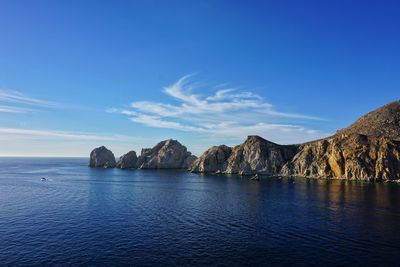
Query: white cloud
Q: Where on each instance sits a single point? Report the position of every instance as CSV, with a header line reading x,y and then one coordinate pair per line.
x,y
47,142
15,97
225,113
64,135
12,101
11,109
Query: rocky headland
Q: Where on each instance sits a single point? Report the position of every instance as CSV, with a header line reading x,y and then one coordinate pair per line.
x,y
369,149
255,156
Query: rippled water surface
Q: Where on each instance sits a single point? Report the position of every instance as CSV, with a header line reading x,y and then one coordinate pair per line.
x,y
84,216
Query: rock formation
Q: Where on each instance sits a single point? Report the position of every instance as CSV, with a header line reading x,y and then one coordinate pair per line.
x,y
128,161
366,150
369,149
213,160
255,156
384,121
168,154
353,156
259,156
102,157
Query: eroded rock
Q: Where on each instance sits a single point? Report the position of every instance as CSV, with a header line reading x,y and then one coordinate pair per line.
x,y
213,160
354,156
168,154
128,161
102,157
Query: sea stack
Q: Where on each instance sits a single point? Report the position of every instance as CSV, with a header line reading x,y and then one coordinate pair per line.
x,y
102,157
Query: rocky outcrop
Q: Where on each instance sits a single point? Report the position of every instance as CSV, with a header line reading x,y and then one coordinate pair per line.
x,y
369,149
168,154
384,121
128,161
102,157
255,156
354,156
366,150
259,156
213,160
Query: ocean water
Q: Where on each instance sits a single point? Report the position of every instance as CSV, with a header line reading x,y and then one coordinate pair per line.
x,y
108,217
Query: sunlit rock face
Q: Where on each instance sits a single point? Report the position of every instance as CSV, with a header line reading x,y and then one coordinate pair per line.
x,y
366,150
168,154
354,156
384,121
102,157
213,160
255,155
128,161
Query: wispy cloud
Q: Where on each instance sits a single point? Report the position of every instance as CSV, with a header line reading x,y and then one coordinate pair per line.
x,y
12,101
65,135
225,113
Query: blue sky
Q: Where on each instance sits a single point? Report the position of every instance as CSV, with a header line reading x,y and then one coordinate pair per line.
x,y
127,74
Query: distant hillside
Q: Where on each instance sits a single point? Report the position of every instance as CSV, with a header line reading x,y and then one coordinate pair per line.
x,y
384,121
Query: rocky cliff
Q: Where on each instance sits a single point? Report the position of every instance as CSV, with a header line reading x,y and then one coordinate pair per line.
x,y
128,161
369,149
168,154
366,150
213,160
354,156
102,157
255,156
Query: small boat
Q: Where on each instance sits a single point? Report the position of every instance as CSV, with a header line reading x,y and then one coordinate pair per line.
x,y
218,172
43,179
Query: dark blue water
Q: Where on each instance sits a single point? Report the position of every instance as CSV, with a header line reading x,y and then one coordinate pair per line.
x,y
95,217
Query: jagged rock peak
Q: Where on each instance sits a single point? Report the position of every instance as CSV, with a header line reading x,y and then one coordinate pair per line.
x,y
259,156
102,157
384,121
213,159
255,156
128,161
168,154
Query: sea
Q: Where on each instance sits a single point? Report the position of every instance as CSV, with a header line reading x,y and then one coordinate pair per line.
x,y
82,216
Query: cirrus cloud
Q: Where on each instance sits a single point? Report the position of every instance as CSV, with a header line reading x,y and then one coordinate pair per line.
x,y
226,113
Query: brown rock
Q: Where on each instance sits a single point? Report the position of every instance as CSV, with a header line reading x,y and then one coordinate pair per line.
x,y
213,160
384,121
102,157
168,154
128,161
259,156
355,156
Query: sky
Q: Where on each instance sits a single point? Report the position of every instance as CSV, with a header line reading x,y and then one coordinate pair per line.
x,y
75,75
